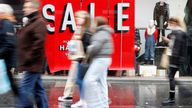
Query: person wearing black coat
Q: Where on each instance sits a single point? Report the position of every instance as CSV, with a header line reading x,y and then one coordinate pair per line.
x,y
177,40
188,21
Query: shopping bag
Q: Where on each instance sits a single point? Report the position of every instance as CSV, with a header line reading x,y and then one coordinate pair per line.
x,y
4,80
71,46
165,58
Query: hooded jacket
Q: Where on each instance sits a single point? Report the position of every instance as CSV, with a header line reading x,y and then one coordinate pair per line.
x,y
101,42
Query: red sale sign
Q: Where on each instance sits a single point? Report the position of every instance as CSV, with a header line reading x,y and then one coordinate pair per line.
x,y
61,25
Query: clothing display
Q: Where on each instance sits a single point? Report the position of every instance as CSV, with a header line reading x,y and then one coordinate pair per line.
x,y
161,16
151,37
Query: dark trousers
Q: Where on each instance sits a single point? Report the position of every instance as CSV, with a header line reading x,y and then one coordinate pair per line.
x,y
81,71
190,58
136,66
31,87
12,82
162,31
172,72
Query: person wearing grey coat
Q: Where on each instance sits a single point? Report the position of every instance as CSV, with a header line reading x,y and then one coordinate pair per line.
x,y
100,51
101,43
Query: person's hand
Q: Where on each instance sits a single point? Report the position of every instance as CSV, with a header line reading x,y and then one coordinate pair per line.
x,y
12,70
165,23
155,22
165,39
76,37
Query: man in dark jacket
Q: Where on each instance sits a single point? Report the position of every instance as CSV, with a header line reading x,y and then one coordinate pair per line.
x,y
31,57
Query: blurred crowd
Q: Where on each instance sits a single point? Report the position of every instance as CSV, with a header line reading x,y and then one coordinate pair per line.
x,y
23,52
90,50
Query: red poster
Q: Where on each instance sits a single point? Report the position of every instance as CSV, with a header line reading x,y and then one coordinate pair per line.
x,y
60,18
60,32
121,18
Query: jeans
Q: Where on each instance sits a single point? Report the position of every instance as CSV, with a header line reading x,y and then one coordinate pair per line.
x,y
150,48
95,83
82,68
31,87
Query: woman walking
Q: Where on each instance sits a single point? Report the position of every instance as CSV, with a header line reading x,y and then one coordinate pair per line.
x,y
100,51
176,40
81,35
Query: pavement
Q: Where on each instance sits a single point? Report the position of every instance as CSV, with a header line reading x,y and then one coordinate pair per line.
x,y
124,92
137,79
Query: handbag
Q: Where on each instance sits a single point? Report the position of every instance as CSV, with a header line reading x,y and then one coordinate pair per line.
x,y
165,58
4,80
75,50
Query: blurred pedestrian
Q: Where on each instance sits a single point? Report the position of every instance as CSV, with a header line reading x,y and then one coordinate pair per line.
x,y
100,51
32,58
82,34
187,68
137,48
177,44
8,42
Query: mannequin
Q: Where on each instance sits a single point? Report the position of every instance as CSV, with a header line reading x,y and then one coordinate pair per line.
x,y
151,37
161,16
